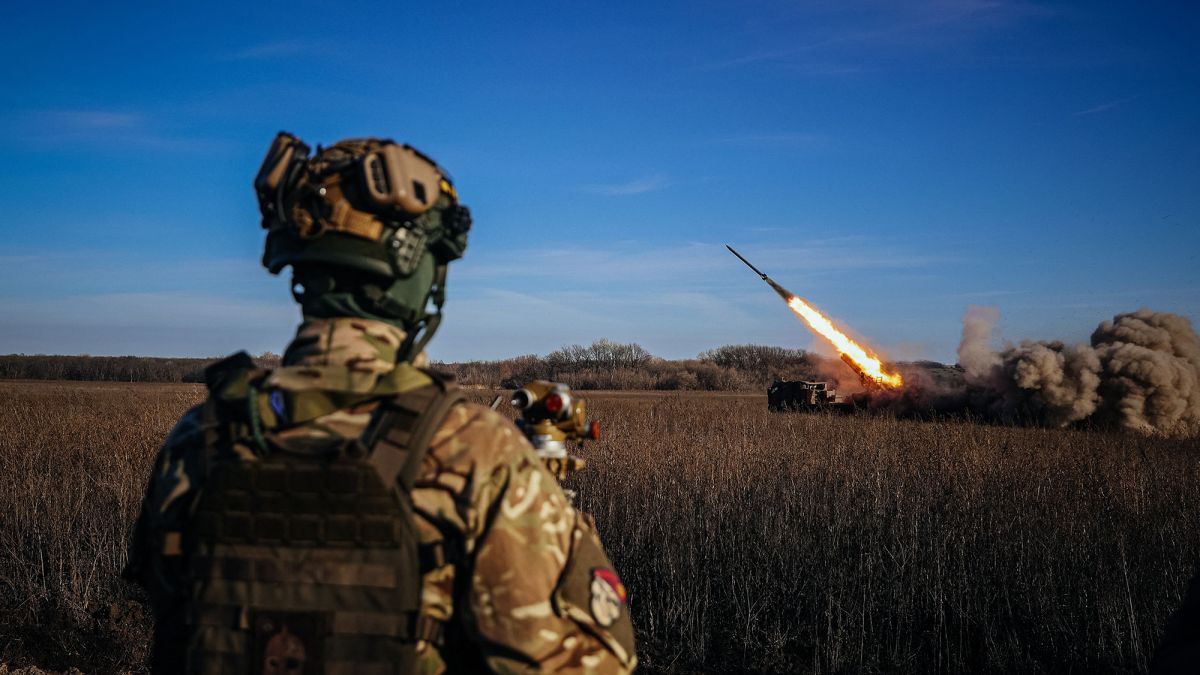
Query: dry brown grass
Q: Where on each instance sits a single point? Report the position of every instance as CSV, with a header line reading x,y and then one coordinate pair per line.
x,y
783,542
751,541
74,459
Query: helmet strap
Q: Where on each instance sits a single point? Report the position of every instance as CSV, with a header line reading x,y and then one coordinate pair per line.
x,y
376,301
422,331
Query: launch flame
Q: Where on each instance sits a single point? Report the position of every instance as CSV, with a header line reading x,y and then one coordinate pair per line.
x,y
870,366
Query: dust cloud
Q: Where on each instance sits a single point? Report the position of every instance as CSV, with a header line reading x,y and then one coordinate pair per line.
x,y
1141,371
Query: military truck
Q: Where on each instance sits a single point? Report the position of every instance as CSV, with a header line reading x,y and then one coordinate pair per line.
x,y
799,395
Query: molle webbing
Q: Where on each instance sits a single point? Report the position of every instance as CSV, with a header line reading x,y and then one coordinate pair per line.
x,y
321,550
341,655
303,503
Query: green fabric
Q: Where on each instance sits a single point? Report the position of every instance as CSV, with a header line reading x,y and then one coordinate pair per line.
x,y
324,293
304,406
330,294
344,275
239,392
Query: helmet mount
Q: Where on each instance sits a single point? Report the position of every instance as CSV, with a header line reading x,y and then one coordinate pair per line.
x,y
368,227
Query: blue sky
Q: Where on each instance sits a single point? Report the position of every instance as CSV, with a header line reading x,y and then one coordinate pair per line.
x,y
892,162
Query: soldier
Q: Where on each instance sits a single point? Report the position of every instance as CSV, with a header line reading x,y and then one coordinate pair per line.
x,y
348,512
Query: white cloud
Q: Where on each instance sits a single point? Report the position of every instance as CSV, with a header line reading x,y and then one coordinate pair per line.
x,y
69,272
779,139
634,187
269,50
79,120
680,265
852,37
1104,106
131,129
675,299
145,324
150,308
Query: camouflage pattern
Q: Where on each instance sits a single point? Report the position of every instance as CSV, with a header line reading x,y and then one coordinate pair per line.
x,y
541,594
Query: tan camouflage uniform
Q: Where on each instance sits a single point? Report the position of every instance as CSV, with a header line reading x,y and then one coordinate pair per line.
x,y
541,597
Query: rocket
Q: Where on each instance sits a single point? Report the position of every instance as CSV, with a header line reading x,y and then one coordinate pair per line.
x,y
850,351
783,292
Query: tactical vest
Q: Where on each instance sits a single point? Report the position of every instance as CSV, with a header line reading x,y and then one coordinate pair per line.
x,y
309,562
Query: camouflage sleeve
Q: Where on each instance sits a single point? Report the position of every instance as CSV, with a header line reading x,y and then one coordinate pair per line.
x,y
155,553
543,595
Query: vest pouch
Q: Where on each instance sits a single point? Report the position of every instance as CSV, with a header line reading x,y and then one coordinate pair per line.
x,y
288,643
304,566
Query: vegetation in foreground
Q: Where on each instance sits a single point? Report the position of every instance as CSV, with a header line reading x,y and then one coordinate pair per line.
x,y
751,541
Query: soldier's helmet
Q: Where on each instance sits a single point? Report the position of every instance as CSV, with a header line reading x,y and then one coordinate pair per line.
x,y
372,217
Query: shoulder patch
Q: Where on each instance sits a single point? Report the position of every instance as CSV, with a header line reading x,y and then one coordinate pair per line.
x,y
279,406
608,596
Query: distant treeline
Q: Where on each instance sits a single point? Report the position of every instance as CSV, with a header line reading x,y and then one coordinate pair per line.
x,y
110,368
602,365
612,365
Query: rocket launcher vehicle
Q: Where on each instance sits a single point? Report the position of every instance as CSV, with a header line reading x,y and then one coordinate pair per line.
x,y
868,382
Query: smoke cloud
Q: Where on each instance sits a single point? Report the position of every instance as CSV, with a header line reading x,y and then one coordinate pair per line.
x,y
974,351
1141,372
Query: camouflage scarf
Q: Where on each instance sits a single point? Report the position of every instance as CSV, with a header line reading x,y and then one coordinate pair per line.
x,y
344,354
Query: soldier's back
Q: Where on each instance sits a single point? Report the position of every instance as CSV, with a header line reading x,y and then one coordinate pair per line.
x,y
508,573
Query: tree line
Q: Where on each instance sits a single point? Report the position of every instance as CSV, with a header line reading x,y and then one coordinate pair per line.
x,y
604,364
111,368
611,365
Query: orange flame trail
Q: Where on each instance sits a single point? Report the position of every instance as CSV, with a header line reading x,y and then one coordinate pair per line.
x,y
868,366
871,366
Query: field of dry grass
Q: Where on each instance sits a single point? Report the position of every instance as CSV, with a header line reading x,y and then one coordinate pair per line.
x,y
751,541
74,458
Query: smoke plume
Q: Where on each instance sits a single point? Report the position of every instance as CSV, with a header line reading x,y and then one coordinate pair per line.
x,y
1141,371
974,351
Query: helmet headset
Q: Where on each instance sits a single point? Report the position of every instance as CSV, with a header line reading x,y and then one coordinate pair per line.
x,y
368,227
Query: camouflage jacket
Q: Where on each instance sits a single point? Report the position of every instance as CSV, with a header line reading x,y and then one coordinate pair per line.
x,y
541,595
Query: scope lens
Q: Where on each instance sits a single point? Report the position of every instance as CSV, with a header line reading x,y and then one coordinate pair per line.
x,y
521,399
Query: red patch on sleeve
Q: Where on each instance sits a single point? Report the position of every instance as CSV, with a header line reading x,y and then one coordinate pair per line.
x,y
608,596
